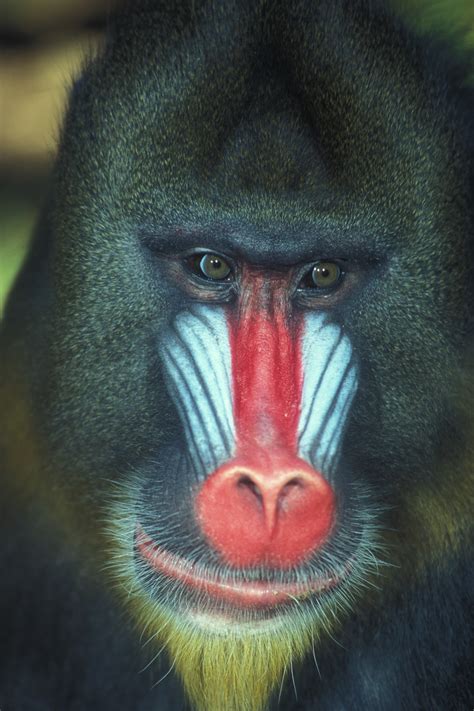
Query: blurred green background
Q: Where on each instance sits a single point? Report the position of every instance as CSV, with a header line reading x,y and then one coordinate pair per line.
x,y
42,46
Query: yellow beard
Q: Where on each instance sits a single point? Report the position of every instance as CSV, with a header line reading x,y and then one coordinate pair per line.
x,y
225,666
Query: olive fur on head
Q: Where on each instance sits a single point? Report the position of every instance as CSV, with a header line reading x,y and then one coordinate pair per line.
x,y
237,373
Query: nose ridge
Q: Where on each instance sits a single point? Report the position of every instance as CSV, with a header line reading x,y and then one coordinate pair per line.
x,y
276,514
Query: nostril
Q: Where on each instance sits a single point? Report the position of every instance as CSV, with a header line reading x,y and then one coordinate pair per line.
x,y
292,484
289,489
245,480
261,491
247,484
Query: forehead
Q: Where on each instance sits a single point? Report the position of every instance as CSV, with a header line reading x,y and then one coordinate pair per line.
x,y
282,105
314,132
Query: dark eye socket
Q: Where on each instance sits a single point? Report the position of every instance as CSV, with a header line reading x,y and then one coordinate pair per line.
x,y
210,266
322,275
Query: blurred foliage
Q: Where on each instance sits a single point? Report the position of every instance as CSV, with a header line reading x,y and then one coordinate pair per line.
x,y
34,85
37,17
17,222
450,20
42,44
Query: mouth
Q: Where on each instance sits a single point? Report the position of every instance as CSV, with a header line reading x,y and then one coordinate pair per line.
x,y
222,587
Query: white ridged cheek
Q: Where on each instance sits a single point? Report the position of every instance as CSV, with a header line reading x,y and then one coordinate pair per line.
x,y
196,354
329,385
197,359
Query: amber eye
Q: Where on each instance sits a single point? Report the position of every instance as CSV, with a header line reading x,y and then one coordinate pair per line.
x,y
211,266
323,275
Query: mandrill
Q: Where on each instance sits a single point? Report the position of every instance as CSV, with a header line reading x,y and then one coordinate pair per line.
x,y
237,373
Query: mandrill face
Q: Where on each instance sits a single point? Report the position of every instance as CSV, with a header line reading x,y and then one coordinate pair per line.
x,y
262,382
265,536
240,357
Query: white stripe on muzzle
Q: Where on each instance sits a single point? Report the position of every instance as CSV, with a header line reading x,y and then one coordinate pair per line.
x,y
196,354
329,386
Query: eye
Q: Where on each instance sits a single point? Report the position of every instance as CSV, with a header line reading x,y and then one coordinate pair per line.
x,y
322,275
210,266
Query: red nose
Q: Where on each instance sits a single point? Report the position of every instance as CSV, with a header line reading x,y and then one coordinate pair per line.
x,y
253,515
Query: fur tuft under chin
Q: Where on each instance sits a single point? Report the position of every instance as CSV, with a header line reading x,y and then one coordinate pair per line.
x,y
236,670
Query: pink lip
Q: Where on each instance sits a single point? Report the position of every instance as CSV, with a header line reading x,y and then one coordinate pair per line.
x,y
242,594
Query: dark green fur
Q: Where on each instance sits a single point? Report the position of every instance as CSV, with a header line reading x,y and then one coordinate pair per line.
x,y
276,131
